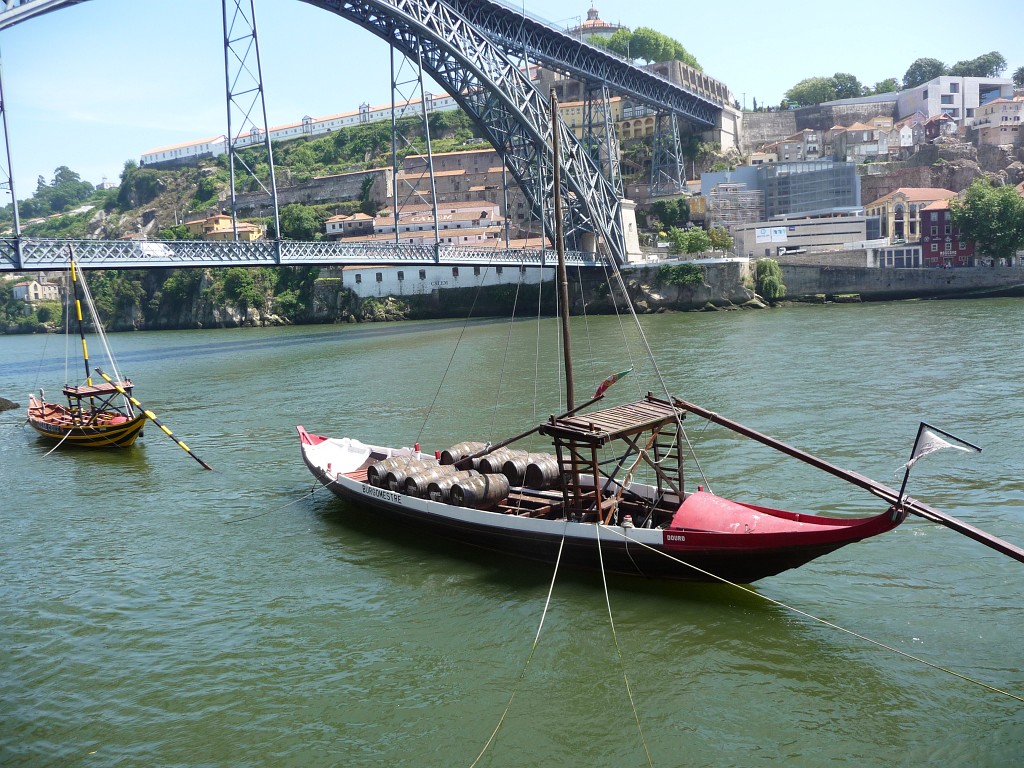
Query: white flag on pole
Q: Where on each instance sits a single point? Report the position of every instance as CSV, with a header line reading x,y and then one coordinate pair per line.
x,y
929,441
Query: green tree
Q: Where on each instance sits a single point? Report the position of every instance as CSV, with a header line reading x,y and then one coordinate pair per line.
x,y
645,43
692,240
240,287
648,44
812,90
680,274
1018,77
990,64
768,278
299,222
846,86
991,216
889,85
921,71
619,42
206,192
65,191
671,212
720,238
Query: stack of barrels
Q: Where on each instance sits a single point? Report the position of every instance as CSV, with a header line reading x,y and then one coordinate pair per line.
x,y
483,486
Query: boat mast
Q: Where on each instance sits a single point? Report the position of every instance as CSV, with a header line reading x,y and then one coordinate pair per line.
x,y
78,315
563,278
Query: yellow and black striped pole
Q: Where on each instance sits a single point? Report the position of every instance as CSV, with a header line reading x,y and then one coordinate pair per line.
x,y
152,417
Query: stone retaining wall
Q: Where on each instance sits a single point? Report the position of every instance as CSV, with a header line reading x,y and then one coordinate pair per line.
x,y
891,284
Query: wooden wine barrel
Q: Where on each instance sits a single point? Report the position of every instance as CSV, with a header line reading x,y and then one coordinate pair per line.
x,y
375,472
461,451
542,472
514,467
492,463
416,483
396,476
479,492
438,490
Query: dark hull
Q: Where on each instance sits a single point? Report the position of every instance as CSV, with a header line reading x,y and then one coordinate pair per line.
x,y
703,557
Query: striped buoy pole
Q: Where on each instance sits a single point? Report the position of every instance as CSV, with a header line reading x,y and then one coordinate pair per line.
x,y
152,417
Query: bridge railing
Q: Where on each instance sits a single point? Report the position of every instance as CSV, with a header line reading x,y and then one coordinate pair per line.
x,y
37,254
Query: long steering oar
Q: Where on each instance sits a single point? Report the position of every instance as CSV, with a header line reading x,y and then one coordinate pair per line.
x,y
152,417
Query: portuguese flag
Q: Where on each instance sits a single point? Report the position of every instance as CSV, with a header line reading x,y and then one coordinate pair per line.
x,y
611,380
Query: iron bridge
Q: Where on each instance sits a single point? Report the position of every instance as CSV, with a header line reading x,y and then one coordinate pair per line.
x,y
38,254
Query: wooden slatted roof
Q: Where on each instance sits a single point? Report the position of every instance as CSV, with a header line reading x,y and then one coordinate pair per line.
x,y
600,427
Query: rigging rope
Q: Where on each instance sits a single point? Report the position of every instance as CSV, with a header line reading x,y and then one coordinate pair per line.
x,y
536,358
529,658
312,492
504,358
622,328
823,622
654,365
451,359
618,648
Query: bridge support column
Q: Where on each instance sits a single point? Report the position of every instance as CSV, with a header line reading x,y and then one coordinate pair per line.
x,y
7,179
667,170
244,92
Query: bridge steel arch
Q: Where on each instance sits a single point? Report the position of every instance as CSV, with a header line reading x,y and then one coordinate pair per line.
x,y
502,101
491,88
515,34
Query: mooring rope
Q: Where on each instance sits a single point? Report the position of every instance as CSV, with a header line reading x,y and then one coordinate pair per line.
x,y
59,444
618,649
451,359
312,492
533,650
821,621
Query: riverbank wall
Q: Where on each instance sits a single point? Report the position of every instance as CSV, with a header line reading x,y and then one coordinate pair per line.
x,y
872,284
675,286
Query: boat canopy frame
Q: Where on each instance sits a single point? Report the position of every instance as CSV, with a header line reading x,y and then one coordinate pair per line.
x,y
100,397
579,437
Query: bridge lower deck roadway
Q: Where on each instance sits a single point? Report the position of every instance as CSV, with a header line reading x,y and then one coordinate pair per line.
x,y
32,254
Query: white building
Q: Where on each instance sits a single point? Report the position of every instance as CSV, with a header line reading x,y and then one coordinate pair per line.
x,y
382,281
308,126
33,290
958,97
824,233
998,122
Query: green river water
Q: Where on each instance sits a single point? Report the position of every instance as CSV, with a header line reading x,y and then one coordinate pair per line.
x,y
156,614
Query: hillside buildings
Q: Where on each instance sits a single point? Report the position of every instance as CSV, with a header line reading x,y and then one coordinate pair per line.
x,y
32,291
901,212
220,227
941,243
467,223
999,121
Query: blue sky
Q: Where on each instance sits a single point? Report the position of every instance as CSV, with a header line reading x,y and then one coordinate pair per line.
x,y
104,81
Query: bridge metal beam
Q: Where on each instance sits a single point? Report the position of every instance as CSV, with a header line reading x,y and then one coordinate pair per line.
x,y
514,32
39,254
503,102
246,101
15,11
496,94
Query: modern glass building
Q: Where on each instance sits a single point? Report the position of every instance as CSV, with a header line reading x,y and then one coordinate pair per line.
x,y
809,188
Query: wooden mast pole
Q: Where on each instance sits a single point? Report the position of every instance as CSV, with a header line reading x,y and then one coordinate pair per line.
x,y
78,314
563,278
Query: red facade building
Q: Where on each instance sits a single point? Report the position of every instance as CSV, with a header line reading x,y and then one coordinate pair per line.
x,y
941,243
